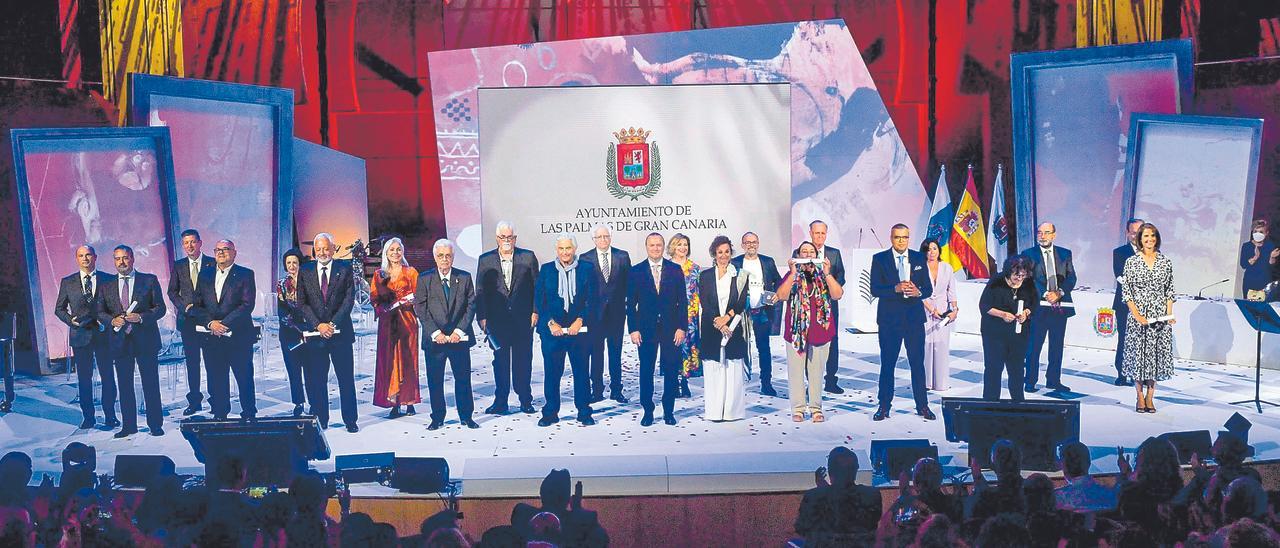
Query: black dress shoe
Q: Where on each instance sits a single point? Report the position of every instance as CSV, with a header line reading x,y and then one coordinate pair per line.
x,y
527,408
766,388
6,406
125,433
881,414
1123,381
87,424
926,413
597,398
297,410
395,413
324,424
409,410
618,397
1030,388
586,421
470,423
112,423
190,410
669,420
156,432
647,420
833,389
353,428
435,425
1059,387
548,421
496,409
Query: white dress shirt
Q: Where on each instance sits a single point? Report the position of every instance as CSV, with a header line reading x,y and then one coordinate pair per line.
x,y
220,279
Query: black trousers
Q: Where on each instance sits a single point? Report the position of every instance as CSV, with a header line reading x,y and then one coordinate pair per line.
x,y
320,354
148,367
192,346
1003,353
670,367
458,357
84,358
1050,324
1122,321
554,352
513,368
892,339
224,357
833,356
761,325
293,363
610,337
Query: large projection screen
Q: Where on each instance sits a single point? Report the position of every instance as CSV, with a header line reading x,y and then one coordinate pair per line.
x,y
714,160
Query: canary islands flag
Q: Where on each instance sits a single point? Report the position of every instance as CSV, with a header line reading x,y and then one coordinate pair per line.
x,y
968,241
941,214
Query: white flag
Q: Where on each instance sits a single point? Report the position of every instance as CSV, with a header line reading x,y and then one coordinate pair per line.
x,y
998,229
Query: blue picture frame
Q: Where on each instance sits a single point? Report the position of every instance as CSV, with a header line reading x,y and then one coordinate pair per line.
x,y
144,87
1197,133
1102,62
73,141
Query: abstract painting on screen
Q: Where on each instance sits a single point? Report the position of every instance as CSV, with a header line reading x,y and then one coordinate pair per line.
x,y
101,187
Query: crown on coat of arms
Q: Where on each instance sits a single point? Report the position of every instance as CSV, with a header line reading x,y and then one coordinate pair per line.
x,y
631,135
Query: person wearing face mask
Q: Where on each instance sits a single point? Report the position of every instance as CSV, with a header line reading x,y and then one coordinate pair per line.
x,y
1006,303
1258,257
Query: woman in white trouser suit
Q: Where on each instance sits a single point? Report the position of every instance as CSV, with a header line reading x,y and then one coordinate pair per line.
x,y
723,346
939,308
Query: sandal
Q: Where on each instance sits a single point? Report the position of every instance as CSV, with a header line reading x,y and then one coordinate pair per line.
x,y
797,417
818,417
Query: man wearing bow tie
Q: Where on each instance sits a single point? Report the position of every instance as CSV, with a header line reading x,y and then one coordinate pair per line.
x,y
900,280
225,298
326,294
445,303
1055,277
131,304
77,306
183,282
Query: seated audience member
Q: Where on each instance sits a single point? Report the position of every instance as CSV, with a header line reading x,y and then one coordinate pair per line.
x,y
448,537
1152,483
15,474
839,510
1005,496
1244,498
1081,493
274,514
920,496
501,536
1246,533
310,526
155,514
579,527
1007,530
1045,522
937,532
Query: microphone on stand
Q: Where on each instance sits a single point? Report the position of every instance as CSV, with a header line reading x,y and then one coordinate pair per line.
x,y
877,237
1199,295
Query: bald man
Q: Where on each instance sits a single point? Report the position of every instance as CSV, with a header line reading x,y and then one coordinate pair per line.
x,y
225,298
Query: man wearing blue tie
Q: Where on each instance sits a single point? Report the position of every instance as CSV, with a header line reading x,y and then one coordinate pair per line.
x,y
1054,276
900,281
657,318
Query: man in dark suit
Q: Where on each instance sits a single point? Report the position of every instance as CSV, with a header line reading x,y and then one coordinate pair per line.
x,y
182,292
504,306
131,304
835,513
1055,278
1118,257
900,280
77,306
445,303
763,277
657,317
610,267
818,236
326,293
566,293
225,298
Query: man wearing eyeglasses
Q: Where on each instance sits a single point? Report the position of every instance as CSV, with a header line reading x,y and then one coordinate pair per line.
x,y
610,266
225,298
764,277
504,306
1054,276
76,306
326,294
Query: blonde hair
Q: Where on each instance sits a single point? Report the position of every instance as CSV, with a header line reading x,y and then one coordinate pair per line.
x,y
671,244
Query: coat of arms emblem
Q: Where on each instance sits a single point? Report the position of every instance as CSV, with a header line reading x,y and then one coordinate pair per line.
x,y
1104,323
633,167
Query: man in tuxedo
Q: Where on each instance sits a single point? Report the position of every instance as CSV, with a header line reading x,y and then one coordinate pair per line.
x,y
1118,257
1055,277
818,236
900,280
610,267
183,280
225,298
657,317
763,277
504,306
77,306
131,304
445,303
326,293
566,308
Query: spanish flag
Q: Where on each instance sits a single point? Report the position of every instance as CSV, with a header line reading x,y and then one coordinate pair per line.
x,y
968,232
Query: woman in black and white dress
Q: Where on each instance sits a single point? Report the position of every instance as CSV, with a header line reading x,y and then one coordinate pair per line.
x,y
1148,292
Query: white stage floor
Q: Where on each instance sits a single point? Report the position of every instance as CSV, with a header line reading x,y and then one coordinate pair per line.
x,y
510,454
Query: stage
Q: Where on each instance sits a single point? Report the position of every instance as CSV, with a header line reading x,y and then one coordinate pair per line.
x,y
508,455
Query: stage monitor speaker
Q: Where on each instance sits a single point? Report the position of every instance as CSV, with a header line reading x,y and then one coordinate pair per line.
x,y
883,451
1035,426
1190,441
420,474
139,470
365,468
273,450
